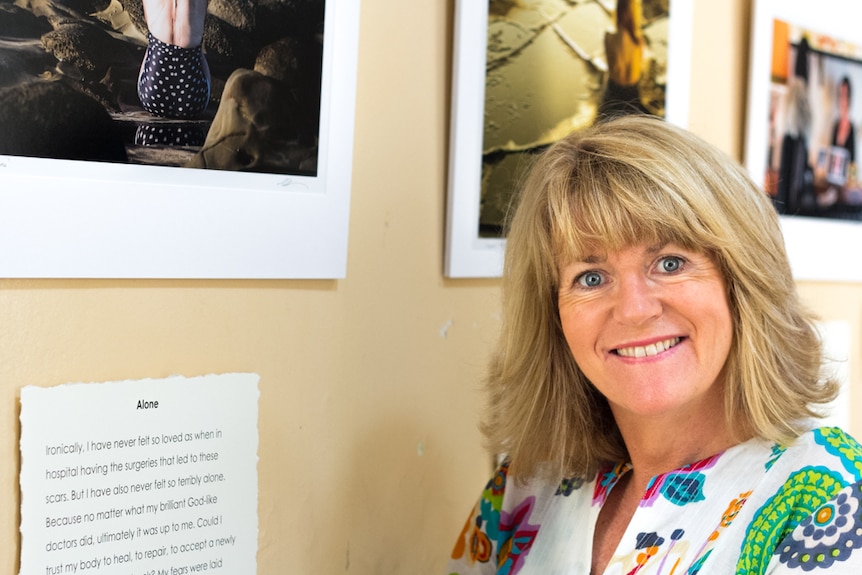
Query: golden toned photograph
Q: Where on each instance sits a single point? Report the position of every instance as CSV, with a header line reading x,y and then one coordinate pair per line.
x,y
556,66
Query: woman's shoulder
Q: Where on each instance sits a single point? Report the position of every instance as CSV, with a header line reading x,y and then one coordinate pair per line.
x,y
512,487
833,444
812,519
510,499
507,518
822,450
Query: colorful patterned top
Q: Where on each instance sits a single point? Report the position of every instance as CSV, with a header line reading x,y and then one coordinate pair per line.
x,y
755,508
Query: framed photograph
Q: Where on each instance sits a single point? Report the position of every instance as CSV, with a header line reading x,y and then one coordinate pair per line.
x,y
804,119
525,74
97,181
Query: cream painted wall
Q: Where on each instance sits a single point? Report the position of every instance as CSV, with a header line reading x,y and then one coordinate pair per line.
x,y
369,453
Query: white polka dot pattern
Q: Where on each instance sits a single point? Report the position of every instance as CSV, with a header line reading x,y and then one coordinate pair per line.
x,y
173,81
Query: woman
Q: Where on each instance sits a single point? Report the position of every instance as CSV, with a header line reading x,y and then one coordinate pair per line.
x,y
656,377
842,132
174,80
624,50
795,191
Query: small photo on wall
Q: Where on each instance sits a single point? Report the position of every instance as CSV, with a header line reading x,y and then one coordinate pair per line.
x,y
815,115
803,121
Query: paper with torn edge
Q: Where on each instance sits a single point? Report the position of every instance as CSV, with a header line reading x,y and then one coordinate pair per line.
x,y
148,477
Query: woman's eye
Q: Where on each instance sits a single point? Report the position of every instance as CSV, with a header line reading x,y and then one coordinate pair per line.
x,y
589,279
670,264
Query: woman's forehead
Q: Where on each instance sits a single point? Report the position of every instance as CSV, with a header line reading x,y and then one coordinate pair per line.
x,y
598,251
584,248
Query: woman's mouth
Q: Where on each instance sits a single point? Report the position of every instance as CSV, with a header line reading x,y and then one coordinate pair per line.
x,y
647,350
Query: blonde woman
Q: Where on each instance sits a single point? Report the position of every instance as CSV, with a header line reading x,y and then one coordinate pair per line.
x,y
657,381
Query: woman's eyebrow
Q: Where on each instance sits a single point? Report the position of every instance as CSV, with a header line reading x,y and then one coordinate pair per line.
x,y
597,259
592,259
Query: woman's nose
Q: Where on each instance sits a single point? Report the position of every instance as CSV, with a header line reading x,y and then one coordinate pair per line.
x,y
636,300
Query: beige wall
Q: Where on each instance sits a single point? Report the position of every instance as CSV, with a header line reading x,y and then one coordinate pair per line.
x,y
369,453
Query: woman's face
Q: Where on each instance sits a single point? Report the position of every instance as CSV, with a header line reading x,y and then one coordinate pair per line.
x,y
651,327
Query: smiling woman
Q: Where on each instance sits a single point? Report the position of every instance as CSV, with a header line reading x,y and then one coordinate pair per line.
x,y
650,327
657,378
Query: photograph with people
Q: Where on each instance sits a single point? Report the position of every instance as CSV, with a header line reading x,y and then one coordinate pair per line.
x,y
815,111
230,85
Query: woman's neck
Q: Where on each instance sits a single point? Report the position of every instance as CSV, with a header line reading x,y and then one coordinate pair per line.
x,y
656,447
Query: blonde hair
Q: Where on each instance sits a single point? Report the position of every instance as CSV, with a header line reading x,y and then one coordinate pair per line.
x,y
625,181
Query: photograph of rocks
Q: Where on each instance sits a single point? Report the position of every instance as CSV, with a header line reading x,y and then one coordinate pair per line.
x,y
214,84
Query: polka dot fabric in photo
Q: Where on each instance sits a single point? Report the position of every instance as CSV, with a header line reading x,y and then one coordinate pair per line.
x,y
173,82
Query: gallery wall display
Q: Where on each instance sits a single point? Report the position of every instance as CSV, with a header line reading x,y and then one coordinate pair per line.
x,y
804,119
528,73
249,177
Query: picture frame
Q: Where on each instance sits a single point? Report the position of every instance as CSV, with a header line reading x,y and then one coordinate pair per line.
x,y
468,255
82,219
818,234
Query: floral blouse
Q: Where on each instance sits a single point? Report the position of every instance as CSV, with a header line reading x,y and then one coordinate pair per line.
x,y
753,509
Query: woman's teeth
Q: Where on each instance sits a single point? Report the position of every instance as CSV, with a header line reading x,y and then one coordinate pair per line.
x,y
648,350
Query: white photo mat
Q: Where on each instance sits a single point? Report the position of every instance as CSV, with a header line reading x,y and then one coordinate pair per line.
x,y
819,249
73,219
467,254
